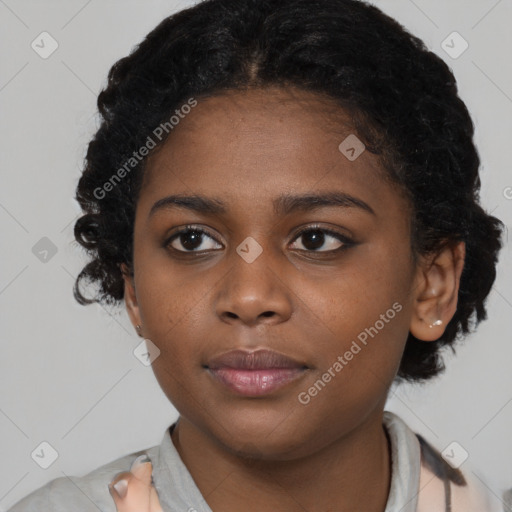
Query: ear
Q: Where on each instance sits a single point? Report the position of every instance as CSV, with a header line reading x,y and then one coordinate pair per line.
x,y
436,291
130,296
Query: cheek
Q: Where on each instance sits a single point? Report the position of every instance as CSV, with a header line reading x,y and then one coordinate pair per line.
x,y
363,312
170,312
354,295
166,296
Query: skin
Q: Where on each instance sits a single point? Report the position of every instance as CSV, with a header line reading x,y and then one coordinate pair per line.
x,y
246,148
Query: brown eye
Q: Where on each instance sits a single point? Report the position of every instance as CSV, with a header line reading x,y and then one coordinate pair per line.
x,y
313,239
192,240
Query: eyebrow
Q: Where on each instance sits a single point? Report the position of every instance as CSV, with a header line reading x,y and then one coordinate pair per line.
x,y
283,205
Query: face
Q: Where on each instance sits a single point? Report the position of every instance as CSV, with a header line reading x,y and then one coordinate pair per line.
x,y
252,263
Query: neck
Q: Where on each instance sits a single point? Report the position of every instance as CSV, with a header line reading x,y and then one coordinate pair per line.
x,y
337,477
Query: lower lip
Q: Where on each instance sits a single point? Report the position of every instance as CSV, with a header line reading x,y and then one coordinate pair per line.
x,y
256,382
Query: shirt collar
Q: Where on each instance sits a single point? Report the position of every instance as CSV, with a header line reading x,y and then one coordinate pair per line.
x,y
405,465
177,489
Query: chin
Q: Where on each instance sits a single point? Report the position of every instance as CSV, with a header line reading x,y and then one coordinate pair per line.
x,y
261,440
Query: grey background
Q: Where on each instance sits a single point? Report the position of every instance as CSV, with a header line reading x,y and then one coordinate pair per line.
x,y
68,375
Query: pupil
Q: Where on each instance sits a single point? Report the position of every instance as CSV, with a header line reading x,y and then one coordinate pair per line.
x,y
194,237
316,237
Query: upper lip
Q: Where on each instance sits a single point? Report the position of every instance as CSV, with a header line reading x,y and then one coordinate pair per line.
x,y
261,359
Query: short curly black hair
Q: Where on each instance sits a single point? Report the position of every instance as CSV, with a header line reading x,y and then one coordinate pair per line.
x,y
402,100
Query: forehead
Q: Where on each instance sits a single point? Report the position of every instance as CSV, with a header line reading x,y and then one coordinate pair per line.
x,y
248,145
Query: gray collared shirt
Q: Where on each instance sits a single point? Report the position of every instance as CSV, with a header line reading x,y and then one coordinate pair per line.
x,y
178,492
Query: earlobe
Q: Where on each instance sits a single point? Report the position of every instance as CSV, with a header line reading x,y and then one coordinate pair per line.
x,y
130,298
436,294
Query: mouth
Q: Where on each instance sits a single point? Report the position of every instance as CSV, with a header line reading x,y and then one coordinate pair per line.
x,y
256,373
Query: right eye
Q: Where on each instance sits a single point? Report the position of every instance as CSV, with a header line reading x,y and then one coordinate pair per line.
x,y
192,239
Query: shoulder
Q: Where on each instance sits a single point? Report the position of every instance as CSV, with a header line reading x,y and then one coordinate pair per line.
x,y
88,493
443,487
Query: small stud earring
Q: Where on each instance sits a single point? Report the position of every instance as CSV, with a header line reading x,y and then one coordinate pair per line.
x,y
138,327
437,322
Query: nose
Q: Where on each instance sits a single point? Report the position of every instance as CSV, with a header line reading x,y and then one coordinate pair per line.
x,y
254,293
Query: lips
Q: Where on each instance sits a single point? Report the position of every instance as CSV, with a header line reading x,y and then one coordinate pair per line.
x,y
255,373
257,360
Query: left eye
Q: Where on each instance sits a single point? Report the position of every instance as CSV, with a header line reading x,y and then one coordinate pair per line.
x,y
191,239
316,238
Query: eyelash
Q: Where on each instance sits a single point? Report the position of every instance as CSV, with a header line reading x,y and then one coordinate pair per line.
x,y
347,242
